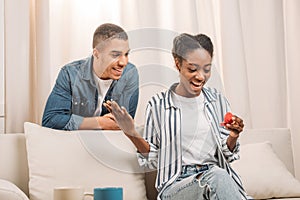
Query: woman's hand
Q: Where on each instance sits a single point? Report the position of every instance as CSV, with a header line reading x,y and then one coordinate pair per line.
x,y
236,126
121,116
126,123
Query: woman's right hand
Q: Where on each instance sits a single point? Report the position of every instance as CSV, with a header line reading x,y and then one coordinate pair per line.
x,y
126,123
122,117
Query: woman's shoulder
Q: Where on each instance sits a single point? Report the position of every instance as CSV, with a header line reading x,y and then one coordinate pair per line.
x,y
159,97
212,93
211,90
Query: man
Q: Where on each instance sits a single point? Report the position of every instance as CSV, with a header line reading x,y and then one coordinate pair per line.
x,y
83,86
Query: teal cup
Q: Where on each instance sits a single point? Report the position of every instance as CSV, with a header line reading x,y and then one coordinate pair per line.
x,y
109,193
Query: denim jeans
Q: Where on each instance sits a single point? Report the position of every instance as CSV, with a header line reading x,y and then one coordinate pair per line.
x,y
213,183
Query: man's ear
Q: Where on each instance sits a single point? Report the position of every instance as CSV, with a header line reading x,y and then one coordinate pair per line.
x,y
95,53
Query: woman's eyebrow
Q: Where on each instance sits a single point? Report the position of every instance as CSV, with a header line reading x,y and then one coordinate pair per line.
x,y
196,65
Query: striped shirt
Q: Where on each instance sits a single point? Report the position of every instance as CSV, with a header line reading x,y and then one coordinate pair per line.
x,y
163,133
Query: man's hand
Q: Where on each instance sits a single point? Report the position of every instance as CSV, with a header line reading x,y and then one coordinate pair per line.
x,y
107,122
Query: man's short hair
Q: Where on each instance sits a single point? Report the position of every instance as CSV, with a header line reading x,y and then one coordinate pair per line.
x,y
108,31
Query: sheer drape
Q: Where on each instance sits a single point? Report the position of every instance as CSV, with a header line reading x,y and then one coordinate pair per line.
x,y
256,57
291,66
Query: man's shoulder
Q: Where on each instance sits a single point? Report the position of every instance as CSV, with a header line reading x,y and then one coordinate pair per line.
x,y
130,65
130,73
75,65
130,68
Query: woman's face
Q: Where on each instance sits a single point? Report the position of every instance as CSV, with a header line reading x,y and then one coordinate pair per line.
x,y
194,71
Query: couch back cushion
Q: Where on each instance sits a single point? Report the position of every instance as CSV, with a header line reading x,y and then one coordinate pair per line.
x,y
280,138
13,160
88,159
266,164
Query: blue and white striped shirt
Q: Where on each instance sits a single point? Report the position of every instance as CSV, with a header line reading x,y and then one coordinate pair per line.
x,y
163,133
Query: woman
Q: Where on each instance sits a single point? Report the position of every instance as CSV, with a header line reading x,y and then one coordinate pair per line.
x,y
183,138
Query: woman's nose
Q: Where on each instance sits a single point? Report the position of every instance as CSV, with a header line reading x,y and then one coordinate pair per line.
x,y
200,75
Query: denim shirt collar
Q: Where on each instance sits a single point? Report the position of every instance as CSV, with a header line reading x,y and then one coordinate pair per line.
x,y
86,70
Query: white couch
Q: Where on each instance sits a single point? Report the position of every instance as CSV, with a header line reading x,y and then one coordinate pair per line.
x,y
31,164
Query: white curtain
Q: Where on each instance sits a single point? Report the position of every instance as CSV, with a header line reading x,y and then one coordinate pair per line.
x,y
256,42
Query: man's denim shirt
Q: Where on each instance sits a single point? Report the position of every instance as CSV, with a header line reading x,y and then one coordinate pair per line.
x,y
75,95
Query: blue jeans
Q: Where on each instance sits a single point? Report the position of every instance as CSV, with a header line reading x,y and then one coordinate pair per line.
x,y
213,183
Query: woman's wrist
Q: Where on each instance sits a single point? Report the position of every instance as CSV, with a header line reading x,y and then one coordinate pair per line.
x,y
231,140
233,134
133,134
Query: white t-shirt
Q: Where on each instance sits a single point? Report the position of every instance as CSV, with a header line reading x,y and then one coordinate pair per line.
x,y
198,143
102,86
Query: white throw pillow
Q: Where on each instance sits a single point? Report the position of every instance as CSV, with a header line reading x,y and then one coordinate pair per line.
x,y
263,174
9,191
88,159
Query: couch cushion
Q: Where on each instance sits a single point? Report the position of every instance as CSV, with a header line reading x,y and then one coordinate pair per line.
x,y
9,191
264,175
13,160
81,158
280,139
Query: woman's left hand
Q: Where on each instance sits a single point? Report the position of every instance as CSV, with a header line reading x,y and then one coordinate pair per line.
x,y
236,127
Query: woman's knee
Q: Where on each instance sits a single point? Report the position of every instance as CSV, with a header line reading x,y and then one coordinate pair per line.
x,y
219,178
221,185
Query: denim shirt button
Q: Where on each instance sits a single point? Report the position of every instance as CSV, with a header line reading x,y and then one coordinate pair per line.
x,y
82,103
75,103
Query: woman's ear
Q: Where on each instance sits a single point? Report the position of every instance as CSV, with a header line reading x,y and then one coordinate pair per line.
x,y
177,63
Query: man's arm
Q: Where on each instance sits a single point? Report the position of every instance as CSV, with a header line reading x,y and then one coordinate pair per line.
x,y
106,122
57,112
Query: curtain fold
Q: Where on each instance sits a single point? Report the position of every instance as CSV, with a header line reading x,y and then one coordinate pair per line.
x,y
234,66
40,59
262,23
17,68
292,49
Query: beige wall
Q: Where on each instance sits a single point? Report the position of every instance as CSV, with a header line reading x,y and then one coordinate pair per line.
x,y
17,71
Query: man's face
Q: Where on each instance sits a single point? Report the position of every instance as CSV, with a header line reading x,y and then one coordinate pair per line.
x,y
111,58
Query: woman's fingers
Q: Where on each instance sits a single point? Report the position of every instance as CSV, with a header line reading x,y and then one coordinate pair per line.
x,y
117,111
237,125
107,105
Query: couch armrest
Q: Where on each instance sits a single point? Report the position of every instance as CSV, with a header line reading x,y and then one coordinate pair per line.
x,y
10,191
